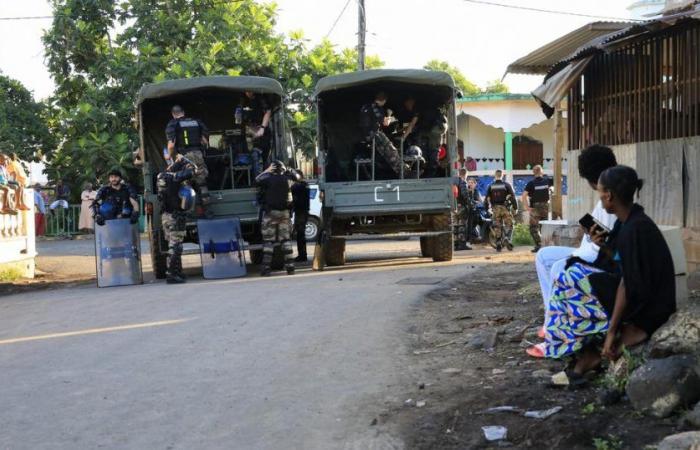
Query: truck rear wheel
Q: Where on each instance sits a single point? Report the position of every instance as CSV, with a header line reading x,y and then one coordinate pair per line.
x,y
442,246
335,252
159,261
426,247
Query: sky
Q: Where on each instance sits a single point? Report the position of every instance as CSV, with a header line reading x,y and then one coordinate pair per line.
x,y
481,40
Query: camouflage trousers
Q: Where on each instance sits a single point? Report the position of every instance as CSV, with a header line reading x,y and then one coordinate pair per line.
x,y
502,223
538,211
275,230
201,173
388,151
174,231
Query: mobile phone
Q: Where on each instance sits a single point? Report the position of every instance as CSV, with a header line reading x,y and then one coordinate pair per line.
x,y
589,221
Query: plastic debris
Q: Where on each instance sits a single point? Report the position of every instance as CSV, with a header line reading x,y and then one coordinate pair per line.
x,y
499,409
420,403
543,414
560,379
495,432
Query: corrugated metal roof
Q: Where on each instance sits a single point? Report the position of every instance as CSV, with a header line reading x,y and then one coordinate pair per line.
x,y
540,61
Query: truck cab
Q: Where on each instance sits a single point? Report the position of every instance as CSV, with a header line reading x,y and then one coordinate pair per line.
x,y
362,195
215,101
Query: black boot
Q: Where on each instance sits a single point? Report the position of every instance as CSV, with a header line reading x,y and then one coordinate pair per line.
x,y
174,273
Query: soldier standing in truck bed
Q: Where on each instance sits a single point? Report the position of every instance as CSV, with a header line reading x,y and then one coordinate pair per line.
x,y
373,120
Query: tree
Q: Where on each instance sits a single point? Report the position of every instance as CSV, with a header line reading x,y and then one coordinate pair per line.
x,y
464,85
101,52
496,87
23,127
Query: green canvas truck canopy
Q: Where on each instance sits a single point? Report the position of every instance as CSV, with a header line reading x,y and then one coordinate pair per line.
x,y
260,85
416,76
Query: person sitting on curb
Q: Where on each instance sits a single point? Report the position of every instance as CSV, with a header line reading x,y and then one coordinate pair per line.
x,y
551,261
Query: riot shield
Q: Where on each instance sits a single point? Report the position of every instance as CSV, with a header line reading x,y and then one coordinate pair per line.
x,y
118,253
221,247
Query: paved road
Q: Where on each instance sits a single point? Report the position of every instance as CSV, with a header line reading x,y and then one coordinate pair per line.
x,y
287,362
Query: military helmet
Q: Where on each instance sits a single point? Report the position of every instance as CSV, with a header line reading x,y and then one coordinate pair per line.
x,y
187,197
278,166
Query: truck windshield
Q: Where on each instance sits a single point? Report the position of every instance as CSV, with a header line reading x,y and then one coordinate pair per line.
x,y
386,131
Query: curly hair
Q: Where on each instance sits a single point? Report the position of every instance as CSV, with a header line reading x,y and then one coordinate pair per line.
x,y
595,160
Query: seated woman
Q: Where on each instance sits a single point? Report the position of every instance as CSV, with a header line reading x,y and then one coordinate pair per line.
x,y
625,296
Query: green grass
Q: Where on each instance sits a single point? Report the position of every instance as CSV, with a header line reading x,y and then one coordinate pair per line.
x,y
521,235
609,443
10,275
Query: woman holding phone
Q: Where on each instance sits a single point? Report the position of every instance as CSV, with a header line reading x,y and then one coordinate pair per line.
x,y
623,297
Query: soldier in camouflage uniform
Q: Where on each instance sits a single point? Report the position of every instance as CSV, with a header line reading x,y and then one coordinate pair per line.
x,y
373,120
500,196
176,199
187,136
275,199
536,195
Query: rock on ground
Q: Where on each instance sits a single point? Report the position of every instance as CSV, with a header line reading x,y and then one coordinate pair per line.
x,y
662,385
693,417
689,440
680,335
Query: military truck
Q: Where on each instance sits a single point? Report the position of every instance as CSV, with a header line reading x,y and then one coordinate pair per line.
x,y
361,198
213,100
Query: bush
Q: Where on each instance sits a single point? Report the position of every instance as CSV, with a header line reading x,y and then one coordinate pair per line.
x,y
10,275
521,235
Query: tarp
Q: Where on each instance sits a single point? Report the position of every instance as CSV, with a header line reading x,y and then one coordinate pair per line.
x,y
415,76
556,88
167,88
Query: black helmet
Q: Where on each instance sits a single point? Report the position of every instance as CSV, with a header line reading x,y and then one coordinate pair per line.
x,y
116,172
277,166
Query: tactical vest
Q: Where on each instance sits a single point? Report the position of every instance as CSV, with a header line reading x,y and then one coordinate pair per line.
x,y
540,193
188,134
277,194
498,193
169,188
371,116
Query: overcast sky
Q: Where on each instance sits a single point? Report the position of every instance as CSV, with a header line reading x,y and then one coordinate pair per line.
x,y
481,40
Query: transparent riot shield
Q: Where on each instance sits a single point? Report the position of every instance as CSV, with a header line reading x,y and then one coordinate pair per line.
x,y
221,247
118,253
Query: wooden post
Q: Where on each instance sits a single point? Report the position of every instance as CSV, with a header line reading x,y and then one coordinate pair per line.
x,y
557,207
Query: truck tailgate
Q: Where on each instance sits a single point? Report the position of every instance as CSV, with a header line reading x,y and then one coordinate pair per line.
x,y
389,196
240,203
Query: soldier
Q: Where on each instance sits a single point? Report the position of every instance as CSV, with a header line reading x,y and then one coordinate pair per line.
x,y
373,120
469,198
117,200
498,196
187,136
302,204
176,197
275,199
538,192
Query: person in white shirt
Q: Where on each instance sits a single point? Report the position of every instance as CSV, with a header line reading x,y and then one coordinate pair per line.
x,y
551,261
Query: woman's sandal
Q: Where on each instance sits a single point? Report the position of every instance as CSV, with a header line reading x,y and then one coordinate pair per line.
x,y
537,350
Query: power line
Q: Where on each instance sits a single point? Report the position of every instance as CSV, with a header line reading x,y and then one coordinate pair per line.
x,y
26,18
550,11
338,18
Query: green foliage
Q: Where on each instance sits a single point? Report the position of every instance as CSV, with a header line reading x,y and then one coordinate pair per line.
x,y
464,85
10,275
617,379
589,409
23,127
521,235
496,87
609,443
101,52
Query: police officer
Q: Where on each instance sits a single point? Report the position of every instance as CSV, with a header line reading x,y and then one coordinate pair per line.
x,y
538,192
176,197
469,197
302,204
187,136
499,196
275,200
116,200
373,121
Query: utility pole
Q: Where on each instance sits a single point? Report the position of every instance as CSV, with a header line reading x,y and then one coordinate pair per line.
x,y
361,31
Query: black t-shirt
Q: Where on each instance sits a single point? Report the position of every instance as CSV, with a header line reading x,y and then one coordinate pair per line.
x,y
300,196
538,189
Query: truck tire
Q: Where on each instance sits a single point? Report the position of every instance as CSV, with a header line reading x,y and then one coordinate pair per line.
x,y
256,256
426,247
442,246
159,261
335,252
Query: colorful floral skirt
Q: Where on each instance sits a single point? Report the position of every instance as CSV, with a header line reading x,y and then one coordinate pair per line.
x,y
574,316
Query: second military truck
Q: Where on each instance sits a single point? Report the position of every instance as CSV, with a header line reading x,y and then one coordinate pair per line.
x,y
362,195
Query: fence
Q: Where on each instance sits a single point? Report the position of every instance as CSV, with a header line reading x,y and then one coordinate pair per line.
x,y
64,222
